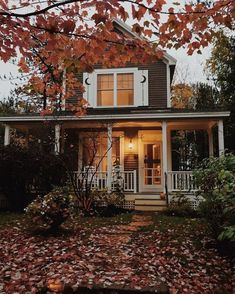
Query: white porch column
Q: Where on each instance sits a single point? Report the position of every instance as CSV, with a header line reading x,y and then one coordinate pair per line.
x,y
80,151
57,138
109,158
221,137
164,152
210,139
7,135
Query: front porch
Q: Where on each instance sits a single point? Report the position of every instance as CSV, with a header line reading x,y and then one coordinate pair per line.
x,y
136,152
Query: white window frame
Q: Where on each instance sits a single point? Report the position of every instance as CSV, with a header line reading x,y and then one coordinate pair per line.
x,y
116,71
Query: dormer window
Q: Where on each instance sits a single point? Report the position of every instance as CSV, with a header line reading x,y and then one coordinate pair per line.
x,y
118,87
115,89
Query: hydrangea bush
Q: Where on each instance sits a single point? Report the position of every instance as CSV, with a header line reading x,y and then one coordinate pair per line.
x,y
50,211
104,198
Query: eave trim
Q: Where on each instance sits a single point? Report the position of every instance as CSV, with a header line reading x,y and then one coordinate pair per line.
x,y
133,116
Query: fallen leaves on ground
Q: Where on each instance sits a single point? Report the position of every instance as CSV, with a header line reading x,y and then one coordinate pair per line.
x,y
114,256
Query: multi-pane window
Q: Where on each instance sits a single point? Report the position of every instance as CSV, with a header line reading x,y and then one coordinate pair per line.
x,y
105,90
116,89
125,89
95,152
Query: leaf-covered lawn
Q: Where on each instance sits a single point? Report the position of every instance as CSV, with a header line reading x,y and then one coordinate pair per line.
x,y
128,251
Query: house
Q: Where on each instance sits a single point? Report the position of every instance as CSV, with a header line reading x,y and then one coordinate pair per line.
x,y
131,117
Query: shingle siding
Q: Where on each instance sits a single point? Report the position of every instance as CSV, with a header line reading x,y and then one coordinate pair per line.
x,y
74,100
157,84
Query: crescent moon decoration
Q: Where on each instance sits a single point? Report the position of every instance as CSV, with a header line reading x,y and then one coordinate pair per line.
x,y
144,80
86,81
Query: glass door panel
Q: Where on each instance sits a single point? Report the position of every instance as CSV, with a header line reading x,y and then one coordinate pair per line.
x,y
152,164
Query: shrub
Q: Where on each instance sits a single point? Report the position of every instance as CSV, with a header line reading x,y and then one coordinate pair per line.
x,y
180,206
50,211
105,199
25,173
107,204
216,178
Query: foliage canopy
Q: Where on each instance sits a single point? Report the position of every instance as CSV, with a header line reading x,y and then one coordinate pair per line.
x,y
75,35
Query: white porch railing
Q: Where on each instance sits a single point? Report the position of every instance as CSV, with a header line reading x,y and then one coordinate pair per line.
x,y
130,181
181,181
98,180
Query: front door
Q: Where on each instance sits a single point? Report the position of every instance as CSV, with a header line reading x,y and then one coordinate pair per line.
x,y
151,166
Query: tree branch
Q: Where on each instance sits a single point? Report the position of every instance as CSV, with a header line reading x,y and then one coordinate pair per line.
x,y
90,37
59,4
227,3
40,11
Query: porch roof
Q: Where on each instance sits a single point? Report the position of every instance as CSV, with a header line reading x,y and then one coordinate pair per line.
x,y
143,113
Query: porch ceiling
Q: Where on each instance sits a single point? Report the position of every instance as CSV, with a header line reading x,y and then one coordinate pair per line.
x,y
193,124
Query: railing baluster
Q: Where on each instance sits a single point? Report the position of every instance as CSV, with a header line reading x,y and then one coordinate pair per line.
x,y
182,181
99,180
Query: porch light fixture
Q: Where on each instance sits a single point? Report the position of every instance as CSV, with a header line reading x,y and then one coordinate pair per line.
x,y
130,145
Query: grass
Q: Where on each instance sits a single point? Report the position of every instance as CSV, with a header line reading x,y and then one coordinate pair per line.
x,y
164,222
7,218
179,228
160,221
96,222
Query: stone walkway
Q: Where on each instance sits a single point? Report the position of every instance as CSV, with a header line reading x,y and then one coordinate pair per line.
x,y
121,234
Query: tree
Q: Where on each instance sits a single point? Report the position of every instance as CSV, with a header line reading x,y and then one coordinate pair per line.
x,y
54,37
8,106
202,90
221,66
182,96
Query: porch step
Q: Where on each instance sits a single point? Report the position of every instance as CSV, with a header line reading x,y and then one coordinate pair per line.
x,y
150,204
133,196
145,202
149,208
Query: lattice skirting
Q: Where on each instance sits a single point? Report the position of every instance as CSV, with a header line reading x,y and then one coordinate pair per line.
x,y
129,204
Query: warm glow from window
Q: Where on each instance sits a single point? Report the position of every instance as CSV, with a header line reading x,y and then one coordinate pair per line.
x,y
125,89
105,92
115,89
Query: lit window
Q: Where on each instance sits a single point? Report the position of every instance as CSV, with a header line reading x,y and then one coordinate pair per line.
x,y
116,89
125,89
105,85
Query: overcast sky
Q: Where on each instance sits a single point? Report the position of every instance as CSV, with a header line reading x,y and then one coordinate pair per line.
x,y
190,67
